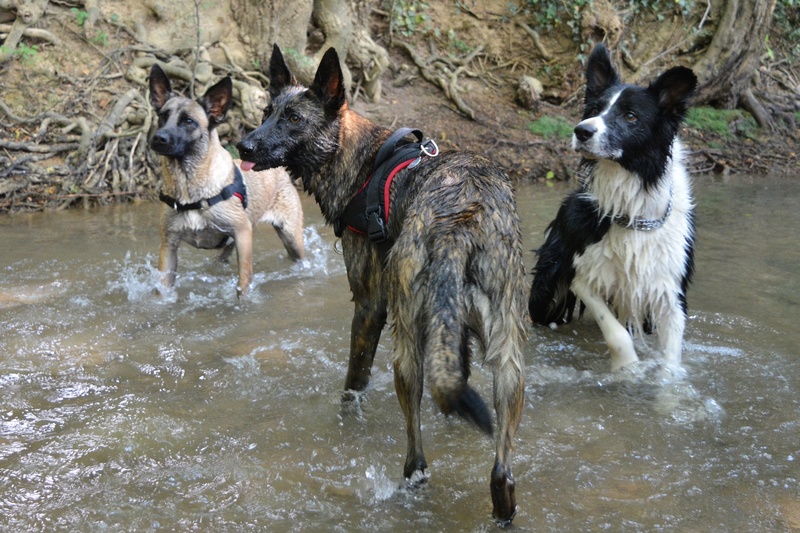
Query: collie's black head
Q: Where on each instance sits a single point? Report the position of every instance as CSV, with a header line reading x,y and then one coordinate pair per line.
x,y
632,125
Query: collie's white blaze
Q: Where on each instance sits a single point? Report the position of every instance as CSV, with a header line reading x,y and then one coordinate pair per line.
x,y
596,147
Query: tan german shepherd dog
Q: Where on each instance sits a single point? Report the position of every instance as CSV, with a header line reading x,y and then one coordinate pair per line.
x,y
452,279
211,204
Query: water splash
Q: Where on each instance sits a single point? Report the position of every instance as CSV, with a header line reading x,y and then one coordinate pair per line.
x,y
380,487
141,282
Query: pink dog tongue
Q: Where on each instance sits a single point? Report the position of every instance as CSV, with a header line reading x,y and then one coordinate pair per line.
x,y
246,165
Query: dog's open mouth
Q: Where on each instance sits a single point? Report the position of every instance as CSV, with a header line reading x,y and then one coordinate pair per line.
x,y
247,165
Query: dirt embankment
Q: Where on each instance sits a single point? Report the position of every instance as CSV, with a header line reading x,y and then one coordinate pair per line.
x,y
75,117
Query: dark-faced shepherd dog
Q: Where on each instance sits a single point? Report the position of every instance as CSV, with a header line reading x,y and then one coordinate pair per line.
x,y
210,202
622,243
453,272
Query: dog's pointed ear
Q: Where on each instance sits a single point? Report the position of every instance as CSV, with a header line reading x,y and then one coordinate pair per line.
x,y
217,100
674,88
600,72
329,82
279,74
160,87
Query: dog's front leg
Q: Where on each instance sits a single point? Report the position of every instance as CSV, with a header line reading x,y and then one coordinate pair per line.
x,y
670,328
616,336
243,237
365,274
168,256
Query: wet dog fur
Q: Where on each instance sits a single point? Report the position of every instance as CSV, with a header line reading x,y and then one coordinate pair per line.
x,y
622,243
452,281
196,167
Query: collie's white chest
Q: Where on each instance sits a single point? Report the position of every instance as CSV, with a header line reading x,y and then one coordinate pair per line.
x,y
636,272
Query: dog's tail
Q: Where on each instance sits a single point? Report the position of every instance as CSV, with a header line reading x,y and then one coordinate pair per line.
x,y
550,299
576,226
448,339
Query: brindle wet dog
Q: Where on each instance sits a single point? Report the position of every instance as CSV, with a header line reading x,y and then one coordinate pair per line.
x,y
453,275
210,203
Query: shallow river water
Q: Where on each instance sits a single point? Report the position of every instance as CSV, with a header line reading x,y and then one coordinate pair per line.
x,y
122,411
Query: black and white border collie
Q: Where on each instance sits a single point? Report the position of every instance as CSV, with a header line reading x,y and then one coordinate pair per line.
x,y
622,242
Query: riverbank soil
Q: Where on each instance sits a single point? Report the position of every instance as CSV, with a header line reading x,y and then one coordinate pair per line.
x,y
481,76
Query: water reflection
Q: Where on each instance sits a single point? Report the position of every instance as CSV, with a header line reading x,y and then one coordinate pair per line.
x,y
195,411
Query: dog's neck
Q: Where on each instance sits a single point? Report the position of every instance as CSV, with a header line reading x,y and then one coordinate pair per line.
x,y
358,142
192,179
621,193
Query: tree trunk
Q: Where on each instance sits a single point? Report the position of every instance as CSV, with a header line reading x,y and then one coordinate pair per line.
x,y
726,70
342,24
280,21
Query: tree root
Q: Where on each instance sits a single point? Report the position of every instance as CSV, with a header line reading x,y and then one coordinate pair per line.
x,y
444,74
546,55
31,33
51,160
27,15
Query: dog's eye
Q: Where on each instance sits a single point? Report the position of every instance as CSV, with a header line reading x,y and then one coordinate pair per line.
x,y
188,121
631,117
294,118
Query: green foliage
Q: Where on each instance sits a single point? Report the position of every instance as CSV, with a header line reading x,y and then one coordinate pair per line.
x,y
231,148
457,43
101,39
550,127
299,58
409,16
550,14
81,16
27,54
786,24
723,122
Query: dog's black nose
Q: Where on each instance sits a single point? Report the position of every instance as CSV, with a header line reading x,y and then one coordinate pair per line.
x,y
584,132
161,137
246,149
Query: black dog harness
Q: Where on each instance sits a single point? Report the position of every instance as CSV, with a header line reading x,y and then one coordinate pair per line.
x,y
237,189
368,211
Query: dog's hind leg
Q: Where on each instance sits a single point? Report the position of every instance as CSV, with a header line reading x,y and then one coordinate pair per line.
x,y
502,326
227,250
287,219
509,387
617,338
291,236
365,274
408,383
406,271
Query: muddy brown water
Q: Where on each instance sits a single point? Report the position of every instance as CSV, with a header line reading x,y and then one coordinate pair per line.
x,y
120,411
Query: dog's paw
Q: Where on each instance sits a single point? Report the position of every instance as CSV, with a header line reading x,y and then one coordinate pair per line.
x,y
417,479
504,505
351,404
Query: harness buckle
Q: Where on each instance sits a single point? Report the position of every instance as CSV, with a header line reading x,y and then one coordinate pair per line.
x,y
433,151
434,148
376,229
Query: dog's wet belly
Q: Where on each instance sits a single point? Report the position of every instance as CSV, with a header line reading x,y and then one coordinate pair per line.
x,y
206,239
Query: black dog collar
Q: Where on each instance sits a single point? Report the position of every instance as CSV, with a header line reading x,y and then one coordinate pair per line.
x,y
237,189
